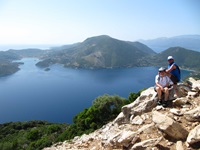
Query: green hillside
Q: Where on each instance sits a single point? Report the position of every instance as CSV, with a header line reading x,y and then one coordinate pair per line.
x,y
99,52
185,58
31,135
7,66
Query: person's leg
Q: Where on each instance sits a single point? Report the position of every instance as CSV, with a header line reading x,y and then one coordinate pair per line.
x,y
166,91
176,90
175,81
159,95
159,92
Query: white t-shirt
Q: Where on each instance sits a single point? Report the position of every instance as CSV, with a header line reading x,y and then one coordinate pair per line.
x,y
163,81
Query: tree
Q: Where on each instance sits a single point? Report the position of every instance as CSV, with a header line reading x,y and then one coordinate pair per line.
x,y
33,134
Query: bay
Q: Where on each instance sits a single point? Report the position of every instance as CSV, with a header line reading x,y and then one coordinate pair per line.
x,y
59,94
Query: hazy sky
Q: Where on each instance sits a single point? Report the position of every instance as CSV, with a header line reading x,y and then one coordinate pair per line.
x,y
71,21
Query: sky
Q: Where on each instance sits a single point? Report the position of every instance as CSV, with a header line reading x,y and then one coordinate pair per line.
x,y
64,22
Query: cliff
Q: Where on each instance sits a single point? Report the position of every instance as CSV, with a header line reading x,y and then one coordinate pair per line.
x,y
144,125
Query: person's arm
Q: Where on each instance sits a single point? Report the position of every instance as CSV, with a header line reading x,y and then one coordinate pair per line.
x,y
158,85
171,68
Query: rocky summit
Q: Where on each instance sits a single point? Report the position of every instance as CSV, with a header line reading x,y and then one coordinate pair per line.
x,y
144,125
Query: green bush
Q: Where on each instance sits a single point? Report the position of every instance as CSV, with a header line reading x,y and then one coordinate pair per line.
x,y
33,135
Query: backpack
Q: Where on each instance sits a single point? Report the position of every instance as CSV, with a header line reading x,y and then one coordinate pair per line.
x,y
178,74
179,71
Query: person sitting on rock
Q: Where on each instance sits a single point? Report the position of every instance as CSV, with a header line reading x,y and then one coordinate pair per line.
x,y
174,73
163,82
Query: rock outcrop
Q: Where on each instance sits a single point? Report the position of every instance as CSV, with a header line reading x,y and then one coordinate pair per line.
x,y
142,125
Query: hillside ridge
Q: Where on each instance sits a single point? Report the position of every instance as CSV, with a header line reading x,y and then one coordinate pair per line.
x,y
143,125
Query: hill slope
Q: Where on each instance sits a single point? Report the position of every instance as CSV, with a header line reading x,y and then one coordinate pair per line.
x,y
8,67
185,58
100,52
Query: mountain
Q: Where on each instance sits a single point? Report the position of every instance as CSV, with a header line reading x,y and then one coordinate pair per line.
x,y
185,58
99,52
7,66
8,56
30,52
64,46
187,41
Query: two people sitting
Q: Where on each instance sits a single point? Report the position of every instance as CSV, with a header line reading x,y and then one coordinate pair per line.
x,y
165,79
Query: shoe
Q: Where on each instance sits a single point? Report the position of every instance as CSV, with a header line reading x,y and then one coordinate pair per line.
x,y
159,102
175,96
164,104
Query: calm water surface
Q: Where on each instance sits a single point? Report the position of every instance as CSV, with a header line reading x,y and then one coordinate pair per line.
x,y
59,94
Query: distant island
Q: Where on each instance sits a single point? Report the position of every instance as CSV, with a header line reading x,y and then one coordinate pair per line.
x,y
100,52
8,65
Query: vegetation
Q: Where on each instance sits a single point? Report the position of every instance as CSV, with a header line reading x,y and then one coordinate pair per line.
x,y
185,58
99,52
35,135
30,135
104,109
8,68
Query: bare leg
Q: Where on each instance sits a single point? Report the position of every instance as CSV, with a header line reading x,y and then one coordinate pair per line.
x,y
159,92
176,89
166,90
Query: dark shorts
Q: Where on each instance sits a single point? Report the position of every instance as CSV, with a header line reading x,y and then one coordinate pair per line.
x,y
174,79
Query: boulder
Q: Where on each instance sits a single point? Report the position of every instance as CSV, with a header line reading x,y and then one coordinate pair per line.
x,y
145,103
193,115
169,126
150,143
179,145
195,84
194,135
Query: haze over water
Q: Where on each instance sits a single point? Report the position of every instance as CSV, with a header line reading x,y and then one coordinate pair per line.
x,y
59,94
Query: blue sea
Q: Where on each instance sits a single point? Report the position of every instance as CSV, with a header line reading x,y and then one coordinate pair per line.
x,y
59,94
